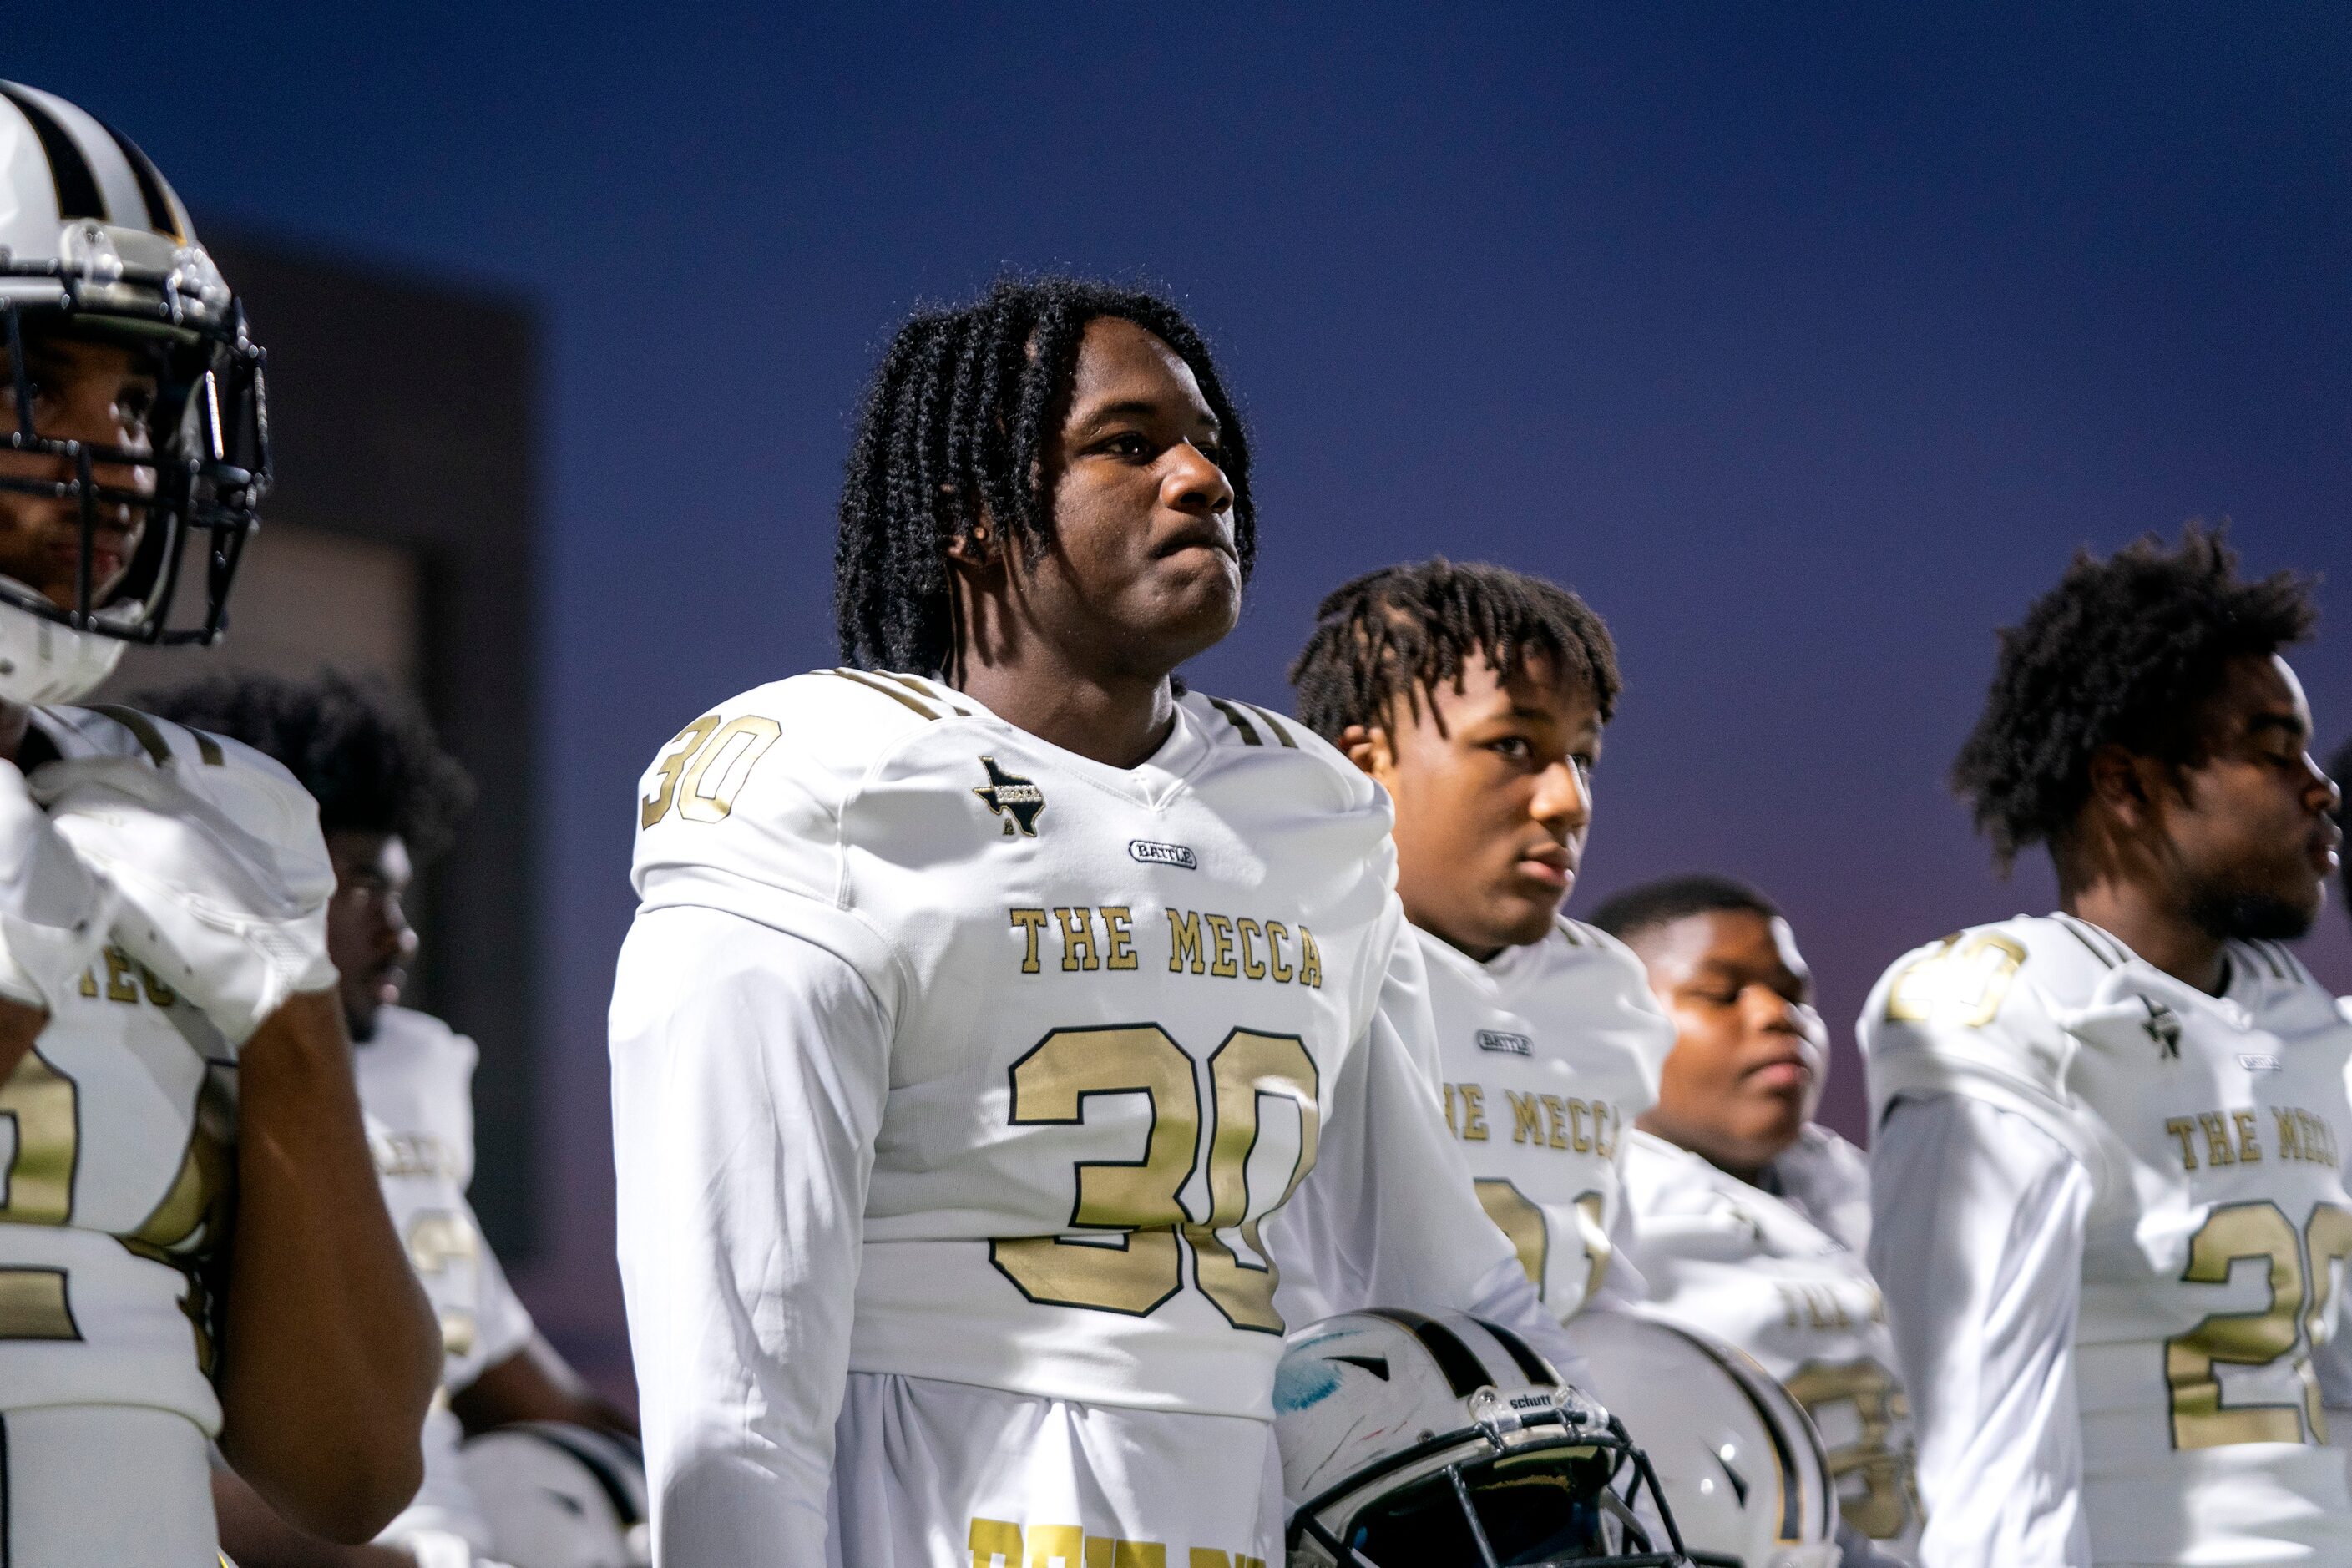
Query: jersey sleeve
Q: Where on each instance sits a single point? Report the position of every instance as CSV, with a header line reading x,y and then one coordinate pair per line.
x,y
742,810
1965,1017
749,1069
1389,1215
1977,1242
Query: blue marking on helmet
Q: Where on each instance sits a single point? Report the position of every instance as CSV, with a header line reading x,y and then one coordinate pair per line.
x,y
1300,1383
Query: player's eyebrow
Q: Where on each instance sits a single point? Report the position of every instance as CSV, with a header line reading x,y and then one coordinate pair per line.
x,y
1145,408
2286,720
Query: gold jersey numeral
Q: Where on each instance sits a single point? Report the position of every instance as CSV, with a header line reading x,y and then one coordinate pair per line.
x,y
42,1107
1961,983
2301,1275
1134,1261
706,766
1883,1498
1521,1223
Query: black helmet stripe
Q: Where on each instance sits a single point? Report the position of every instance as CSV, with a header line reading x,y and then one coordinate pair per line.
x,y
1538,1370
160,216
69,172
1465,1374
1785,1462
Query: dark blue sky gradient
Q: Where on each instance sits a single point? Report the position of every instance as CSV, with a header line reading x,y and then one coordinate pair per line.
x,y
1806,344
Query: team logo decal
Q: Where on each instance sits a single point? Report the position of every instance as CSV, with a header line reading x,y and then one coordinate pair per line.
x,y
2163,1027
1017,800
1151,854
1506,1042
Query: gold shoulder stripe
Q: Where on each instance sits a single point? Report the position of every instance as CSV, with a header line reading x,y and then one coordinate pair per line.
x,y
926,689
1275,724
208,750
150,740
1242,726
886,688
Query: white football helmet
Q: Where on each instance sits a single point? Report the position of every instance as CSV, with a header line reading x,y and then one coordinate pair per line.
x,y
1414,1442
94,244
1737,1459
560,1496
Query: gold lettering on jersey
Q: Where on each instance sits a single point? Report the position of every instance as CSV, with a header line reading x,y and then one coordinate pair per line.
x,y
2234,1137
1526,1122
1252,966
997,1543
120,970
1276,970
1120,952
1220,946
411,1154
1824,1307
1077,938
1028,922
1184,940
1473,1113
1878,1490
2217,1138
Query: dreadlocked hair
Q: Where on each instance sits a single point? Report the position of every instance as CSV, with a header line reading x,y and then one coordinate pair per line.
x,y
2128,652
1384,637
369,761
1635,912
954,427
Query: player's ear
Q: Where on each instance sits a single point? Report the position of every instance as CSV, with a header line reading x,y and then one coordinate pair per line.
x,y
2119,783
975,548
1367,746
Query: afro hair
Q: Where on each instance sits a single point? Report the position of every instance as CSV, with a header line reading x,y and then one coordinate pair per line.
x,y
2129,652
368,758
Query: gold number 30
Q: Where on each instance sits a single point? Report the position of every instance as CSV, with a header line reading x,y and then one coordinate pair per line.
x,y
1136,1271
706,765
2301,1275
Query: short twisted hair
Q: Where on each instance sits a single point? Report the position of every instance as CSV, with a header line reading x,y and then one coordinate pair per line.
x,y
1388,635
1635,912
955,424
370,762
2127,651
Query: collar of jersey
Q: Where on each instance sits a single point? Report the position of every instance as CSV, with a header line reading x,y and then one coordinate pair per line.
x,y
1152,781
2136,976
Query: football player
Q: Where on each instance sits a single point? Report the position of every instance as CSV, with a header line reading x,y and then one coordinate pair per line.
x,y
190,1237
1477,698
388,798
989,994
2108,1206
1750,1220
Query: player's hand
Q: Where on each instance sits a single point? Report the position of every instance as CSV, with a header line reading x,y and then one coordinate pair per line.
x,y
223,917
53,909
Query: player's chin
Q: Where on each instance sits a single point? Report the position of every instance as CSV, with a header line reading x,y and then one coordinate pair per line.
x,y
1194,602
1525,914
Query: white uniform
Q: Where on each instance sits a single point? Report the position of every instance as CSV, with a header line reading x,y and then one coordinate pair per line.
x,y
1777,1272
1549,1053
117,1135
961,1072
2111,1221
415,1082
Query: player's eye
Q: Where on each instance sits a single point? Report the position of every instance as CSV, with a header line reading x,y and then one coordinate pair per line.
x,y
135,406
1126,444
1515,747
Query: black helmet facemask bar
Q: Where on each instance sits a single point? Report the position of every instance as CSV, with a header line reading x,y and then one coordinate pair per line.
x,y
210,455
1464,1471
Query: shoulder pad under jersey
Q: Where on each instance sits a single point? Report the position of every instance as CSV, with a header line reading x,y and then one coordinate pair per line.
x,y
252,792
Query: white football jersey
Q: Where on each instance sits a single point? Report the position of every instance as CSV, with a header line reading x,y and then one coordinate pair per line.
x,y
416,1089
116,1130
1548,1053
2211,1131
1734,1261
1118,1005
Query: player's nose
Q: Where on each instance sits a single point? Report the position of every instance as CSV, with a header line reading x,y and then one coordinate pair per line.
x,y
1563,797
1194,484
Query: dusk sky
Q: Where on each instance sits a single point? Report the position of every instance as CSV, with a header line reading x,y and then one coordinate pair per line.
x,y
1806,343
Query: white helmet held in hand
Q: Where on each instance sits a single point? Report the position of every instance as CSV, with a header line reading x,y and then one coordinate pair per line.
x,y
95,249
1447,1442
560,1496
1737,1459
